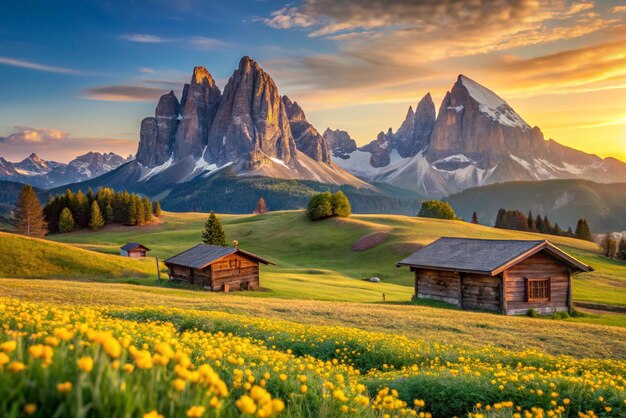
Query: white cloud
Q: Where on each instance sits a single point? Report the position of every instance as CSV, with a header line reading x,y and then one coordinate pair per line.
x,y
39,67
144,38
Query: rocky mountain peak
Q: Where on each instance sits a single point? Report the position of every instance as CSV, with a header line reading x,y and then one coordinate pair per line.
x,y
308,140
340,143
202,75
251,120
413,135
168,106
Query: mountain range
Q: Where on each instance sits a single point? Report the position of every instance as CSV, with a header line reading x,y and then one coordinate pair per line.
x,y
222,150
475,139
47,174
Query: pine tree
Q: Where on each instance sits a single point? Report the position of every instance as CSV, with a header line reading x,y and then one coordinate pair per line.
x,y
531,222
140,213
547,226
131,212
108,214
96,221
261,207
609,245
539,224
28,214
340,204
582,230
147,209
157,209
213,233
474,218
66,221
621,250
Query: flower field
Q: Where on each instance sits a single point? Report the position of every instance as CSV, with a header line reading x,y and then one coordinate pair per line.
x,y
60,360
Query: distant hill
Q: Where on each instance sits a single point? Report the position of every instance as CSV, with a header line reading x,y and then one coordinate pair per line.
x,y
563,201
51,259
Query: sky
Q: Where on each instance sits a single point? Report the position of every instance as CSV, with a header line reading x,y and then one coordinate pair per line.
x,y
81,75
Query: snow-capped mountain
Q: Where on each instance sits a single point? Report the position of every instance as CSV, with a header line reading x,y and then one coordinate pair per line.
x,y
475,139
47,174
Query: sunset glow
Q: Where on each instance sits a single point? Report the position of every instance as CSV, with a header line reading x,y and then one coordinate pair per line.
x,y
352,65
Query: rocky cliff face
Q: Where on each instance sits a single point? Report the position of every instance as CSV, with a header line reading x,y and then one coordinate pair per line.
x,y
199,108
308,140
476,139
251,120
157,133
340,143
413,135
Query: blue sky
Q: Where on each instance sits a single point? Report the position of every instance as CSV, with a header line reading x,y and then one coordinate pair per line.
x,y
85,73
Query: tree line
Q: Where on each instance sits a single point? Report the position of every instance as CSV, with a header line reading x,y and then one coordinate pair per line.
x,y
69,211
516,220
613,246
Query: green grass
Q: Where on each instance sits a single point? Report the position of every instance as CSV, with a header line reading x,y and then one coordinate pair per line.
x,y
315,260
23,257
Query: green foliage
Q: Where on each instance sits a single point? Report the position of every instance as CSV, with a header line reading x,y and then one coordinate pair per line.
x,y
582,230
157,209
96,221
515,219
340,204
28,215
320,207
66,221
436,209
213,233
533,313
113,207
621,251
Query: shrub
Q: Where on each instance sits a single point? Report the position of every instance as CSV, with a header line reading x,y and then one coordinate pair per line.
x,y
320,207
533,313
340,204
436,209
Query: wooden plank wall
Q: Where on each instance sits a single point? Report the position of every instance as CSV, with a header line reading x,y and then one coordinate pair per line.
x,y
438,285
481,292
236,271
538,266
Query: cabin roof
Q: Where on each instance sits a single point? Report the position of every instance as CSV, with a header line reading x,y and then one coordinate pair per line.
x,y
129,246
484,256
203,255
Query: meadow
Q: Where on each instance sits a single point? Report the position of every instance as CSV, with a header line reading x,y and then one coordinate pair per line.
x,y
89,333
320,260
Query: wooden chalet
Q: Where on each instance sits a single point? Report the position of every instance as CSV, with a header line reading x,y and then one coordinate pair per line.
x,y
134,250
217,268
509,276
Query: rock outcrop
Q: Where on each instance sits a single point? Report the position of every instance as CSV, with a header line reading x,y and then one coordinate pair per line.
x,y
308,140
380,148
157,133
413,135
251,120
199,108
340,143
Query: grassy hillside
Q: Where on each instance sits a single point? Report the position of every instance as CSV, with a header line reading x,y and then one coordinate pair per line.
x,y
318,260
563,201
34,258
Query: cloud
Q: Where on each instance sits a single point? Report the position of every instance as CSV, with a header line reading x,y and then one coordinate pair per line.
x,y
38,67
27,135
618,9
287,18
57,145
123,93
198,42
144,38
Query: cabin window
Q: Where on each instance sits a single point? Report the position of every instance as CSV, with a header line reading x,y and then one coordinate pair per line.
x,y
538,290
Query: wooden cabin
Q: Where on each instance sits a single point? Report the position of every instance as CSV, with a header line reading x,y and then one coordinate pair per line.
x,y
134,250
217,268
507,276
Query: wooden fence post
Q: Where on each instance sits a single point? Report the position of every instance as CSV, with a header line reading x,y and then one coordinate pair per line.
x,y
158,270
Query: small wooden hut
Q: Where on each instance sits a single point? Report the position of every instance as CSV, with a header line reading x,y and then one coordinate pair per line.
x,y
217,268
134,250
509,276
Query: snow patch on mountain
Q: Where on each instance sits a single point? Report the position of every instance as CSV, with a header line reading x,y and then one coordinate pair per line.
x,y
493,106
